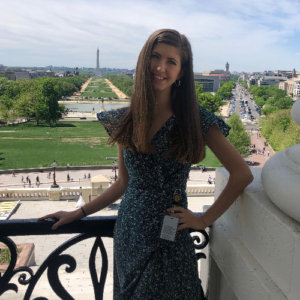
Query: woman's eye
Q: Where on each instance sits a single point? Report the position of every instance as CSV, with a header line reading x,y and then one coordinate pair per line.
x,y
172,62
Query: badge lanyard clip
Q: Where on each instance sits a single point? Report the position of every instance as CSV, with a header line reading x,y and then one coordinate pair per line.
x,y
176,197
170,223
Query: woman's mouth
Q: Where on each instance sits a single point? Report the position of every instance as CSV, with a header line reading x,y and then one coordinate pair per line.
x,y
158,77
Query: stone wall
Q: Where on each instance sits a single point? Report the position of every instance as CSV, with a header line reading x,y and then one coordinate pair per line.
x,y
254,248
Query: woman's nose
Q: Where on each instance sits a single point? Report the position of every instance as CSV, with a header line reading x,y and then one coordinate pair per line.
x,y
160,67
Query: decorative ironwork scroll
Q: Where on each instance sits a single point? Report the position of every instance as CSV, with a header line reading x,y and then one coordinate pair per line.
x,y
86,228
52,264
200,242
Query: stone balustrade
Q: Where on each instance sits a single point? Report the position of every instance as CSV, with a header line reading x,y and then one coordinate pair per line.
x,y
42,194
200,190
73,193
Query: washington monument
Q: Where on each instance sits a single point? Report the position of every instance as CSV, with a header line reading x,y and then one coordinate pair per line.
x,y
98,72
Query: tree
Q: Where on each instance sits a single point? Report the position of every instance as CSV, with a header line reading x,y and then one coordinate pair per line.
x,y
6,110
238,136
259,101
209,102
225,91
198,88
50,97
31,105
243,83
280,130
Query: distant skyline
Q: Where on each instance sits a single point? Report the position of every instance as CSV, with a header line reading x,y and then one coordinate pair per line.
x,y
254,35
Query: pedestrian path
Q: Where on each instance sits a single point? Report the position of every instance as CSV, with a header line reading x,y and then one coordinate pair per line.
x,y
78,178
262,151
119,93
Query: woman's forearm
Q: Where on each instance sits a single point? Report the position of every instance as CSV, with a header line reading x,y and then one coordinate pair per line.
x,y
109,196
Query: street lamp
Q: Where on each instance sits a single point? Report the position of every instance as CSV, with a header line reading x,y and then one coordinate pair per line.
x,y
54,165
68,175
115,169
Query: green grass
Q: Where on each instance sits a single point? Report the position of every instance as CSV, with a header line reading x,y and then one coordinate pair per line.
x,y
101,89
98,89
74,143
210,160
99,94
5,255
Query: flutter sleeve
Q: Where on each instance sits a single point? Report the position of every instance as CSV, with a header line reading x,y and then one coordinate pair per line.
x,y
112,118
209,119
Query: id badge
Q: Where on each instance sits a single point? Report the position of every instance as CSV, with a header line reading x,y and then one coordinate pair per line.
x,y
169,228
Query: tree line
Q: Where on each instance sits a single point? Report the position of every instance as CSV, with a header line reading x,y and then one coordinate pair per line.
x,y
280,130
213,102
37,98
270,98
277,125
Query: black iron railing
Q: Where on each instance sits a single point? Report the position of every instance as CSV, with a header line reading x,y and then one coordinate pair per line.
x,y
86,228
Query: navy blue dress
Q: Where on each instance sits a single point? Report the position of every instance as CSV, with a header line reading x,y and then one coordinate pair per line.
x,y
146,266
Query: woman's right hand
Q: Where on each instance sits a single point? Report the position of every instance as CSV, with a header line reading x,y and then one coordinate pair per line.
x,y
62,217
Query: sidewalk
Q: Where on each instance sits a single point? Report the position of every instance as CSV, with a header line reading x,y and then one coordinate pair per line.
x,y
263,151
79,178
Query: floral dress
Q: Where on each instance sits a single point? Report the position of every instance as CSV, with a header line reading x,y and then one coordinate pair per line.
x,y
146,266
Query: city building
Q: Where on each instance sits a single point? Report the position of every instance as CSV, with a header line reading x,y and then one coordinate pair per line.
x,y
41,73
270,80
22,75
8,74
209,83
25,74
211,80
288,86
292,86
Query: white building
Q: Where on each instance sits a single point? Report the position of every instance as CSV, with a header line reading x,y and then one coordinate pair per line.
x,y
296,91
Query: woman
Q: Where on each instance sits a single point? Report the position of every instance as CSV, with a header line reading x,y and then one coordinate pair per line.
x,y
159,136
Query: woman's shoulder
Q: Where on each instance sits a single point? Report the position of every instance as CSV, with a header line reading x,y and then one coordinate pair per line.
x,y
112,117
209,119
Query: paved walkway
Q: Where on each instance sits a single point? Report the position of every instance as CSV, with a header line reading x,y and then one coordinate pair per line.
x,y
84,86
79,178
263,151
78,283
119,93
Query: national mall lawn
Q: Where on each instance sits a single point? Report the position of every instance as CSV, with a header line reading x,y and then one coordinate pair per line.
x,y
74,143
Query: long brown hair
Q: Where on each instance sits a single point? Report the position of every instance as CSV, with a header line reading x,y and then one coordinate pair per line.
x,y
187,140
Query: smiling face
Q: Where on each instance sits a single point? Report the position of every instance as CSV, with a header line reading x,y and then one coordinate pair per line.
x,y
165,67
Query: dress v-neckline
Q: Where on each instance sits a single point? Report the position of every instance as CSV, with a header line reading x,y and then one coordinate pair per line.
x,y
161,128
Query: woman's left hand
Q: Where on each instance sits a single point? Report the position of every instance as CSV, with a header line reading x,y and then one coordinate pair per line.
x,y
187,219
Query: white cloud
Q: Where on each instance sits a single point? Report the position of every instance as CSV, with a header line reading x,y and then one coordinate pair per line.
x,y
251,35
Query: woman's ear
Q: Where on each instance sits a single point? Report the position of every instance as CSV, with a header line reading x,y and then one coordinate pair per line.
x,y
180,75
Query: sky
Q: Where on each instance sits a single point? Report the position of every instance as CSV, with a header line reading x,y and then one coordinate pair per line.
x,y
252,35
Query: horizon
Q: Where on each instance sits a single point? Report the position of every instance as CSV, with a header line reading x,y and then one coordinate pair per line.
x,y
27,68
252,37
